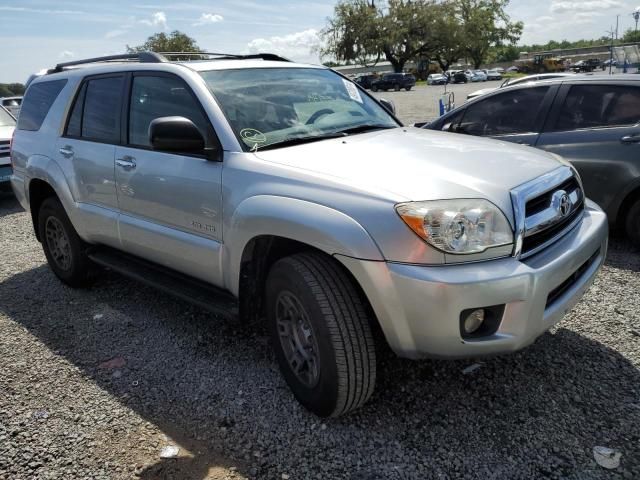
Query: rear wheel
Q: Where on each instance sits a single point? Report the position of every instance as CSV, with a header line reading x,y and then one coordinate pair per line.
x,y
374,88
321,334
407,88
397,88
632,223
62,246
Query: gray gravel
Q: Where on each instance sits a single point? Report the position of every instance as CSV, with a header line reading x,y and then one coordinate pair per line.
x,y
95,383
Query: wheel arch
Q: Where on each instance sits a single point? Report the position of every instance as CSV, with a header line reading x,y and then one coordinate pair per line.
x,y
620,208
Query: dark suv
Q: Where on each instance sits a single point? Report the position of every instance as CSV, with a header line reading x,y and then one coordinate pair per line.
x,y
395,81
365,81
592,121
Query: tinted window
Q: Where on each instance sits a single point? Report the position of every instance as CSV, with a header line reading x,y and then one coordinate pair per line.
x,y
592,106
37,102
74,127
155,97
100,120
506,113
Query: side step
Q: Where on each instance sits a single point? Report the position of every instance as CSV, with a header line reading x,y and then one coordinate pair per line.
x,y
174,283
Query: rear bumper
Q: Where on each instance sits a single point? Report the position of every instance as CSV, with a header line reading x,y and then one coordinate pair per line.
x,y
419,307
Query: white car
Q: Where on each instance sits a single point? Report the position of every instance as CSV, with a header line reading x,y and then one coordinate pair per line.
x,y
478,76
11,104
494,75
437,79
7,126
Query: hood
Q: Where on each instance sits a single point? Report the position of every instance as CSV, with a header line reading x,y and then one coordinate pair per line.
x,y
6,132
414,164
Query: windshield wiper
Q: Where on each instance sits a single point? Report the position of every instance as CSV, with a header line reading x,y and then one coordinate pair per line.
x,y
289,142
367,127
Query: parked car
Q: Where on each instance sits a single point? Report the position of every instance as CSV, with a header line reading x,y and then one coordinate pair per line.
x,y
500,70
584,66
437,79
7,126
509,82
365,81
459,77
494,75
394,81
592,121
612,62
265,187
12,104
478,76
513,69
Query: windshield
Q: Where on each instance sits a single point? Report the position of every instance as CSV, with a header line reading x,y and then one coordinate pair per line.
x,y
268,106
6,120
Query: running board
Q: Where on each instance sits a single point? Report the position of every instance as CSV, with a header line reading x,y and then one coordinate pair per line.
x,y
169,281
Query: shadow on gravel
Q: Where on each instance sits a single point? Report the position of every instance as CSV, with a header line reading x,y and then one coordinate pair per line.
x,y
213,387
9,204
623,254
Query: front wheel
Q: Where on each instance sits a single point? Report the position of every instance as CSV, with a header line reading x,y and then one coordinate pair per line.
x,y
64,249
407,88
374,88
321,334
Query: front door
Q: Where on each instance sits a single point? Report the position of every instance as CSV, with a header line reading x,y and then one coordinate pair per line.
x,y
596,127
170,204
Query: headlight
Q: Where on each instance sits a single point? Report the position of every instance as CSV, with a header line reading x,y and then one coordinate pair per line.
x,y
458,226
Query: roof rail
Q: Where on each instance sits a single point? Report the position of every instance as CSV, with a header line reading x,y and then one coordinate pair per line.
x,y
142,57
226,56
160,57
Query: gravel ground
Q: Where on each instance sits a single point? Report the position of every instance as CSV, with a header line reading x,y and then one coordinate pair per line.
x,y
95,383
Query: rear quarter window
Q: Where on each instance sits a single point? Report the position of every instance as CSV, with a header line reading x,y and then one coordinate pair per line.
x,y
37,102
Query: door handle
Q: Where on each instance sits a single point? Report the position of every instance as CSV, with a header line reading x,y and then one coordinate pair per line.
x,y
66,151
127,162
631,139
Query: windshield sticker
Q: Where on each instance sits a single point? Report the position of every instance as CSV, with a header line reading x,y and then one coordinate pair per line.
x,y
251,135
352,90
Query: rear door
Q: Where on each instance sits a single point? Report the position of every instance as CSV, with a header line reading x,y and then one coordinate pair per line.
x,y
87,148
513,115
597,128
170,203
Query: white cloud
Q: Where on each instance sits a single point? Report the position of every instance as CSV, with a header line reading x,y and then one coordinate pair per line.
x,y
300,46
66,54
208,18
583,6
158,19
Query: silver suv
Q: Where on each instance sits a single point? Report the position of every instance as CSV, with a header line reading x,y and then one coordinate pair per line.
x,y
285,192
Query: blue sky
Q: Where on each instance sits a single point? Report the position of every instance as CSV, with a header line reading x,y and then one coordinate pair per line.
x,y
37,33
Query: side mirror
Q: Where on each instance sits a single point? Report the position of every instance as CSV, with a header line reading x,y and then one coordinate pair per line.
x,y
175,134
388,105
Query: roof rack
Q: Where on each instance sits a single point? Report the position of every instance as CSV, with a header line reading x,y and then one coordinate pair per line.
x,y
160,57
142,57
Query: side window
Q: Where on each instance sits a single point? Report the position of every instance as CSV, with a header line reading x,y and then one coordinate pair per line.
x,y
597,106
37,102
507,113
101,114
74,126
159,96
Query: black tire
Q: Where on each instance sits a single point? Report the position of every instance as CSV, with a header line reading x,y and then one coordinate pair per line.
x,y
407,88
337,329
397,88
632,223
71,267
374,88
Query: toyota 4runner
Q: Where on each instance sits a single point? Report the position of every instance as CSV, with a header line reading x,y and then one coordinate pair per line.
x,y
275,190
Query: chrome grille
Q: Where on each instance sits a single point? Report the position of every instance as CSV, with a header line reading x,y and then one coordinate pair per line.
x,y
4,148
546,209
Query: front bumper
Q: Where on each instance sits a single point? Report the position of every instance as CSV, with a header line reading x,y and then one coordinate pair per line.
x,y
419,307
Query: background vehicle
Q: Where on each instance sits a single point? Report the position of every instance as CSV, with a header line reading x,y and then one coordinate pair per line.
x,y
12,104
594,122
459,77
543,63
494,75
365,81
261,186
513,69
394,81
584,66
437,79
7,125
510,82
478,76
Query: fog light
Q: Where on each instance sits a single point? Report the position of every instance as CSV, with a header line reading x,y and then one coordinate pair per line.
x,y
474,321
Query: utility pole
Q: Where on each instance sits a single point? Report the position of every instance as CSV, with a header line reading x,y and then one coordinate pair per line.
x,y
612,33
617,24
636,17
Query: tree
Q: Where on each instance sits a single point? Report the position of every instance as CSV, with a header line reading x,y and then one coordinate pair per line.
x,y
364,33
176,41
448,37
485,24
631,35
11,89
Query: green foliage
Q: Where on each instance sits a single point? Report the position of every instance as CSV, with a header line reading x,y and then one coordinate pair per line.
x,y
176,41
364,33
631,35
11,89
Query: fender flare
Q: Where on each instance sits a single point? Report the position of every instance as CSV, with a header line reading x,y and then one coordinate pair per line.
x,y
319,226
